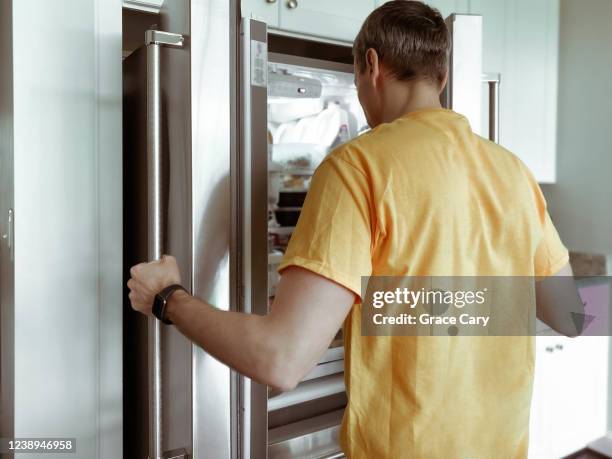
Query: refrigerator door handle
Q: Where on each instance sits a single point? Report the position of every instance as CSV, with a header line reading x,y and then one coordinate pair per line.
x,y
494,81
154,39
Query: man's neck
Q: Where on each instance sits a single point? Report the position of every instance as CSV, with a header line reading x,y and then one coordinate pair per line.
x,y
402,98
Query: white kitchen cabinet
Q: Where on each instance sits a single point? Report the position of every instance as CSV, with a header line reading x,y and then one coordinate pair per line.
x,y
540,422
570,391
340,19
446,7
569,406
521,41
60,167
264,10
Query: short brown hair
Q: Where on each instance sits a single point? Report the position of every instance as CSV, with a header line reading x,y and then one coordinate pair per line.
x,y
410,37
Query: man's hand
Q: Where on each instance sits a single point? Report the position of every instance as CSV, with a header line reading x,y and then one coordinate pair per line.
x,y
558,303
148,279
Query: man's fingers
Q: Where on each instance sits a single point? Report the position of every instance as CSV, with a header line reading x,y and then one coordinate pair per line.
x,y
133,302
131,284
168,258
134,269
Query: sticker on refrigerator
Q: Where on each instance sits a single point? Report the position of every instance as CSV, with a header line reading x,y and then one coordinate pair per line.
x,y
259,63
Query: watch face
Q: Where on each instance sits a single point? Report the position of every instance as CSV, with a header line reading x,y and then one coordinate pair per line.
x,y
158,306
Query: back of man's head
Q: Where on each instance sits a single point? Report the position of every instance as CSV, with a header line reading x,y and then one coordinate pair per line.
x,y
410,38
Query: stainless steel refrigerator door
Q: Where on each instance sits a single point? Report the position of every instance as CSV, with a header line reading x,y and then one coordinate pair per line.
x,y
253,184
196,147
463,92
142,426
198,91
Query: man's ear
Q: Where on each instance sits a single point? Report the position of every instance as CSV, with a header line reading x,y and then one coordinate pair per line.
x,y
372,65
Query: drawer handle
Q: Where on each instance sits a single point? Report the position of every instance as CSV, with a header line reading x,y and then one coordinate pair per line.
x,y
292,4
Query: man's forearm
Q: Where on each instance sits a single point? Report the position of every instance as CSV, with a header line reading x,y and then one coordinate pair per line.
x,y
243,341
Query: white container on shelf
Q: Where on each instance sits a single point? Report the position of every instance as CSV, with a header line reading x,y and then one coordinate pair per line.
x,y
274,259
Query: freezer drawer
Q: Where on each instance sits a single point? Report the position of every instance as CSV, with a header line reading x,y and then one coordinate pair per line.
x,y
316,437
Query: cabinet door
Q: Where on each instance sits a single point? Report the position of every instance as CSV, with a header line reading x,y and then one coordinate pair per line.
x,y
263,10
340,19
568,408
521,43
531,84
580,400
446,7
540,438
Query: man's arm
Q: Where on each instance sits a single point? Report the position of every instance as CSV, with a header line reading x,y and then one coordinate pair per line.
x,y
558,303
278,349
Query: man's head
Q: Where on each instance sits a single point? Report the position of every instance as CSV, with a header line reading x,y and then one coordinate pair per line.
x,y
402,45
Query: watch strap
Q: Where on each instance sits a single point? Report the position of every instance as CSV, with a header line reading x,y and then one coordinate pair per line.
x,y
161,302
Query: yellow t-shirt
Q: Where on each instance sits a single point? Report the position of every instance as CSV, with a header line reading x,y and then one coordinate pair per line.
x,y
425,196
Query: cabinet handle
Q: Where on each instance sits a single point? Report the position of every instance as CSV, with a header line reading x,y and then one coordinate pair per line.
x,y
292,4
493,80
270,1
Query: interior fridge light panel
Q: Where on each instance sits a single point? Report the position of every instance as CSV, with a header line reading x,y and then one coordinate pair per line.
x,y
335,84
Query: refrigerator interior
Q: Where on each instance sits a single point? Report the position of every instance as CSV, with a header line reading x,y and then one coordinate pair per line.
x,y
310,112
312,108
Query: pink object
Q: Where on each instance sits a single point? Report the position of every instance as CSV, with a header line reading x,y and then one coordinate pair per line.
x,y
597,304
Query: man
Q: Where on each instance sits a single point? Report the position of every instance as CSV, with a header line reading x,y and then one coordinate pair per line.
x,y
420,194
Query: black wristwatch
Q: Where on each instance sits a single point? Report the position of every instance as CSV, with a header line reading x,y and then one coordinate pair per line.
x,y
161,301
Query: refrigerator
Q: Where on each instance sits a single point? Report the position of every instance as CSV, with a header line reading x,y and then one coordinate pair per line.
x,y
225,121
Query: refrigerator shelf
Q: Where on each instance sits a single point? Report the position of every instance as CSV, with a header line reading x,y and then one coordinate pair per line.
x,y
301,171
308,391
325,369
334,352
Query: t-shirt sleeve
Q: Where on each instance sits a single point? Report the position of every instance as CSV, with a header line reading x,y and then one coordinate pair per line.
x,y
551,255
333,236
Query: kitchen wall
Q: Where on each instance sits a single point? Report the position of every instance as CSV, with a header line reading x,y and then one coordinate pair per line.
x,y
580,202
